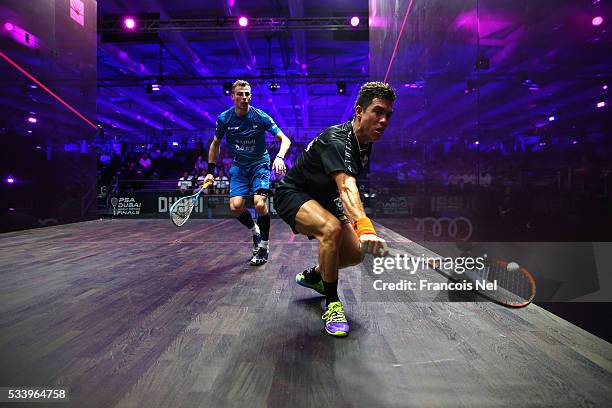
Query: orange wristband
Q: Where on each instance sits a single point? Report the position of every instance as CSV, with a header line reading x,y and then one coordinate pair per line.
x,y
364,226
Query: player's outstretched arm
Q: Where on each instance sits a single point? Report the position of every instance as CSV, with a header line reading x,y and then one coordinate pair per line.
x,y
353,208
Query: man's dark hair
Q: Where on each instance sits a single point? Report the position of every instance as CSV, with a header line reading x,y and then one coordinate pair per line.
x,y
371,90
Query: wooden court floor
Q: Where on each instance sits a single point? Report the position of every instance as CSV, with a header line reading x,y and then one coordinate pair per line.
x,y
139,313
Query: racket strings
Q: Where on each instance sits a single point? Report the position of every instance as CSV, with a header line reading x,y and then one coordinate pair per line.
x,y
517,286
181,212
513,287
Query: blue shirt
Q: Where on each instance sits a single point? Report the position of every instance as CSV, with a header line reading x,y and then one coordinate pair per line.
x,y
246,135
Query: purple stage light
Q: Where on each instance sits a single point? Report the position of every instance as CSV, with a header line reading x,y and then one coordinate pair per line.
x,y
243,21
418,84
129,23
477,142
10,180
597,21
32,119
601,104
552,118
21,36
605,87
534,87
175,144
355,21
574,142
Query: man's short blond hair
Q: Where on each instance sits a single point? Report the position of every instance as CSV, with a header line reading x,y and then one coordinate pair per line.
x,y
239,82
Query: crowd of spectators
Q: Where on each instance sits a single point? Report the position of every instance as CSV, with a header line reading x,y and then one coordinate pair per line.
x,y
416,167
555,166
134,167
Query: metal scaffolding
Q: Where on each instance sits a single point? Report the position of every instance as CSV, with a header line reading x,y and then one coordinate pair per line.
x,y
230,24
127,81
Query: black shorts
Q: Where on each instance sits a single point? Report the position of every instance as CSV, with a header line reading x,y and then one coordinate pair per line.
x,y
289,200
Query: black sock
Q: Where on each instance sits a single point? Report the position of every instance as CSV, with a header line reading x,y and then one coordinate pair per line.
x,y
246,220
311,275
264,226
331,292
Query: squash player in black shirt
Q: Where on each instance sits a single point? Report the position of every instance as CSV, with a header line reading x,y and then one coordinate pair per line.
x,y
319,198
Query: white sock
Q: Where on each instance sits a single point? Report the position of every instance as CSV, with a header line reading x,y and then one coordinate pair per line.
x,y
263,244
255,229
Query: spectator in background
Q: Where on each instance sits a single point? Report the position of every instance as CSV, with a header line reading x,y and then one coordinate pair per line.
x,y
200,164
227,163
155,151
145,165
116,162
130,172
185,183
105,169
165,160
167,152
105,158
200,183
200,147
221,183
485,180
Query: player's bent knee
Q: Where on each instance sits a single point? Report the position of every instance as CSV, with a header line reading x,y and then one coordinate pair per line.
x,y
332,231
236,210
260,207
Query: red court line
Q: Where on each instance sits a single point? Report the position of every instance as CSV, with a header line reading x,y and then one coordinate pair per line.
x,y
50,92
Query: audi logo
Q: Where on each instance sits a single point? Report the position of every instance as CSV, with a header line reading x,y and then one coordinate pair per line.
x,y
452,227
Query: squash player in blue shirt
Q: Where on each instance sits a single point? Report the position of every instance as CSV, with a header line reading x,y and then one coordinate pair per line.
x,y
244,127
